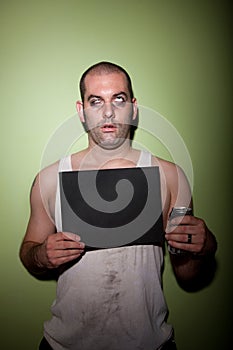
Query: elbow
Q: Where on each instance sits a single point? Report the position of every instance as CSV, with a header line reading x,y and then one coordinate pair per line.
x,y
196,280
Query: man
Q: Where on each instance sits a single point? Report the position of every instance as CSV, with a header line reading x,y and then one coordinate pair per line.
x,y
111,298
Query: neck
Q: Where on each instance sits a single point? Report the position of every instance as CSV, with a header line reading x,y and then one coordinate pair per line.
x,y
98,156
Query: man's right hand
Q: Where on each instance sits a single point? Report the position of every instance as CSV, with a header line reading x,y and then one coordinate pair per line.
x,y
43,249
58,249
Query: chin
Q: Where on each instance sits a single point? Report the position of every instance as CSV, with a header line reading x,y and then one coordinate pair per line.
x,y
111,145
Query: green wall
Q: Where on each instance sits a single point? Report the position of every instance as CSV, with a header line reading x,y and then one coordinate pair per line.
x,y
178,54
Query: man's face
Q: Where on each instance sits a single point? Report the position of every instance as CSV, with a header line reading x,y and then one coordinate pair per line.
x,y
107,109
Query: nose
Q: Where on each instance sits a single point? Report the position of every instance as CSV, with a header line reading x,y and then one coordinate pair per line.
x,y
108,111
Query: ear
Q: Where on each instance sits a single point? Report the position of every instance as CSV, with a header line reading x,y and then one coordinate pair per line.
x,y
135,108
79,107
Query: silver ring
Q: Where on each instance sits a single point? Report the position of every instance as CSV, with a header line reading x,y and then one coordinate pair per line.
x,y
189,238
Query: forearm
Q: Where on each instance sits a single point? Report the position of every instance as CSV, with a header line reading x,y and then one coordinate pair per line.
x,y
187,267
194,271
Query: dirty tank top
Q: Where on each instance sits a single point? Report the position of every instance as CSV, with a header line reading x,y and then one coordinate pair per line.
x,y
111,299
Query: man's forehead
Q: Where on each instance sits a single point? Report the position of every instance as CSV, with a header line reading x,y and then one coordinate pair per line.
x,y
114,79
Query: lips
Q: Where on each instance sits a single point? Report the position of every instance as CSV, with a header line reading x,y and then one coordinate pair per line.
x,y
108,128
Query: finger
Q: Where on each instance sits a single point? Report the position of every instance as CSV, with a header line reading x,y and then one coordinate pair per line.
x,y
64,245
56,261
181,238
54,254
61,236
188,242
192,248
57,254
184,229
72,236
184,220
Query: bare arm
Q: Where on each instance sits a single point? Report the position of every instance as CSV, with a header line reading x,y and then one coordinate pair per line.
x,y
196,267
43,250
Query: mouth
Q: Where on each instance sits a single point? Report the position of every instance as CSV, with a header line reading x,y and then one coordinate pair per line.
x,y
106,128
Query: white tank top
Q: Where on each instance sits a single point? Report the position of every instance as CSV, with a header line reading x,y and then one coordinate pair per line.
x,y
112,298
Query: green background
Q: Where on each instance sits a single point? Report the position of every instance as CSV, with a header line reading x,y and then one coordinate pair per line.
x,y
179,56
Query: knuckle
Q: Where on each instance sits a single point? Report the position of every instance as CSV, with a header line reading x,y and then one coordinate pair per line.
x,y
49,245
50,258
49,242
198,249
202,223
63,260
202,240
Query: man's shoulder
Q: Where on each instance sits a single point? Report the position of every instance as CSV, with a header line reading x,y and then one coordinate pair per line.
x,y
166,165
170,170
172,175
47,179
50,169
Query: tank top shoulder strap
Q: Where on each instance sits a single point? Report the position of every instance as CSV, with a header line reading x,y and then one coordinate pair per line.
x,y
144,159
65,164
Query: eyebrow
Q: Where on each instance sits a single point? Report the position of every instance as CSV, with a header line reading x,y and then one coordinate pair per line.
x,y
115,95
93,96
121,93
